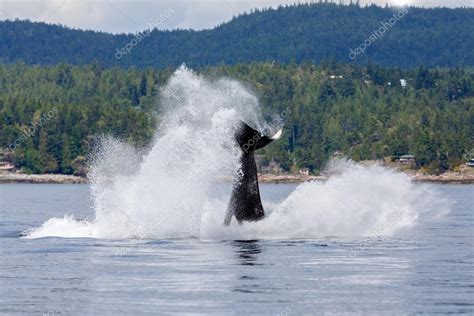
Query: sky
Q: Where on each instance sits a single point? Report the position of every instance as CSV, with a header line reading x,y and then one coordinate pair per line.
x,y
122,16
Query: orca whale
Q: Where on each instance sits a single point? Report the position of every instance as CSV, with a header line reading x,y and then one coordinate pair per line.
x,y
245,203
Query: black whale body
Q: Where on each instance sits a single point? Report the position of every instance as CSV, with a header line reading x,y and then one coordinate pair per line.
x,y
245,203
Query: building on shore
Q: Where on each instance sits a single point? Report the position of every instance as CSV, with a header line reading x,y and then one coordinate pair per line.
x,y
407,159
403,83
304,171
6,166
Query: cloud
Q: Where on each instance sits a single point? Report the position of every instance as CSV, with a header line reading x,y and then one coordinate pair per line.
x,y
121,16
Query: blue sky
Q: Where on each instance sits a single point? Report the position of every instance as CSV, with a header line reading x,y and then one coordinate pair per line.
x,y
118,16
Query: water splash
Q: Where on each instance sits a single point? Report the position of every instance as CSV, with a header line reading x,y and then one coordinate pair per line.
x,y
356,201
169,192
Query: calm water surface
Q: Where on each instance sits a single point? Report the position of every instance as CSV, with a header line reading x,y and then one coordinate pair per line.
x,y
428,269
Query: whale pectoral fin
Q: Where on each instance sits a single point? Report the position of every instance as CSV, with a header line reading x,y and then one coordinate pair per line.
x,y
265,140
249,138
277,134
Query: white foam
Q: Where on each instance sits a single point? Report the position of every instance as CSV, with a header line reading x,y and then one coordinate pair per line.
x,y
67,226
356,201
169,192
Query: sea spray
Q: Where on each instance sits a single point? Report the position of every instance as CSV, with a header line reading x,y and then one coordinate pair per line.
x,y
356,201
170,191
193,150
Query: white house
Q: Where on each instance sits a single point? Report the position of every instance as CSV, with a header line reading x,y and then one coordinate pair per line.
x,y
403,83
6,166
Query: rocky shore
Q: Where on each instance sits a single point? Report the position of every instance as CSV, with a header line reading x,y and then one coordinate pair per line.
x,y
14,177
287,178
448,177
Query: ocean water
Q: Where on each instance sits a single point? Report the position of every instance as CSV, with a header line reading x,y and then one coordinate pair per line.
x,y
426,267
147,236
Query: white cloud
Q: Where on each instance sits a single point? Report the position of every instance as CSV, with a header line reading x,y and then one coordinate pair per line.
x,y
131,16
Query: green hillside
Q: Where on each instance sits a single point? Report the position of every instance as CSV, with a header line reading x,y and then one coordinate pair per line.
x,y
308,32
363,112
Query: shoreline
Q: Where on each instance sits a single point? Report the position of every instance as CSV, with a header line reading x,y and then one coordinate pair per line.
x,y
448,177
13,177
451,177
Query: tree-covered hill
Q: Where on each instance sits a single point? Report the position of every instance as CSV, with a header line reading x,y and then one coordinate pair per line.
x,y
51,115
312,32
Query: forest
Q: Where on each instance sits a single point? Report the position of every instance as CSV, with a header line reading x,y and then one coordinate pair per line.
x,y
429,37
50,116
